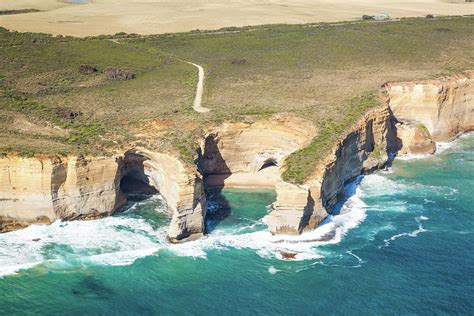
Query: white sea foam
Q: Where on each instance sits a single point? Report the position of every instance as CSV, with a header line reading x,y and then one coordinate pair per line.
x,y
413,233
379,185
121,240
111,241
273,270
409,157
302,247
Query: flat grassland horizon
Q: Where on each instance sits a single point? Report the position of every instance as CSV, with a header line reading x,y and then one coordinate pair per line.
x,y
95,17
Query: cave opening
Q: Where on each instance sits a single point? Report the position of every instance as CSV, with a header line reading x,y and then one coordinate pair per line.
x,y
134,182
270,162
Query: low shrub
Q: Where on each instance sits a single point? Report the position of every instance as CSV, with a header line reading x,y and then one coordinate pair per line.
x,y
119,74
87,69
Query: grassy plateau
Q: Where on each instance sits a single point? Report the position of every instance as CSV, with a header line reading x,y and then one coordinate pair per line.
x,y
327,73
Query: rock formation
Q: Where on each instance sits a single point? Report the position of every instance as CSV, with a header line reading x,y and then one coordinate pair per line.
x,y
445,107
249,154
414,139
415,115
44,189
364,147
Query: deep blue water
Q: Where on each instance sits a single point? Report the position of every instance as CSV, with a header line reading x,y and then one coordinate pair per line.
x,y
403,245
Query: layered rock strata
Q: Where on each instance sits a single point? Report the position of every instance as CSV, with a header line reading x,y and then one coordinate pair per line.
x,y
364,148
44,189
250,154
415,116
445,107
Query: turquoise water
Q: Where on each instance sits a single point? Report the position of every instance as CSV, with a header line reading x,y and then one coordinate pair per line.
x,y
403,245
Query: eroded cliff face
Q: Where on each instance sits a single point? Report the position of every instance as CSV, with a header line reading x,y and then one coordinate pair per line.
x,y
445,107
183,190
364,147
414,139
415,116
43,189
250,154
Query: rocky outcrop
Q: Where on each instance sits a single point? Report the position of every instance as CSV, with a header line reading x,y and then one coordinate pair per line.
x,y
414,139
364,148
445,107
43,189
416,114
249,154
183,190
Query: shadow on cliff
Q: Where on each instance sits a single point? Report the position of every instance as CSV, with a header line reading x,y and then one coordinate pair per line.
x,y
394,143
214,169
134,183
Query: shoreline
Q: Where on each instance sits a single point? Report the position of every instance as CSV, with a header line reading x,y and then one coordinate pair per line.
x,y
264,179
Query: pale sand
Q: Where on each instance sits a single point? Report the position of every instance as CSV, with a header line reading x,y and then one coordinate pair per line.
x,y
199,89
163,16
266,178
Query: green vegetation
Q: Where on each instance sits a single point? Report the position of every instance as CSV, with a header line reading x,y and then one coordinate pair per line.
x,y
300,164
377,152
424,131
326,73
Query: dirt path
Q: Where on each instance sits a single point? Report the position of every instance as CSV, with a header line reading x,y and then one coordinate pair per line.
x,y
199,89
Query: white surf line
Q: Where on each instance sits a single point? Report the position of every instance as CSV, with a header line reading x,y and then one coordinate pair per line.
x,y
199,89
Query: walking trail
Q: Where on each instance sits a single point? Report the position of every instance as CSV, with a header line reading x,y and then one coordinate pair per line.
x,y
199,89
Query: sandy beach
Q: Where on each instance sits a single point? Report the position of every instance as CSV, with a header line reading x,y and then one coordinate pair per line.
x,y
167,16
266,178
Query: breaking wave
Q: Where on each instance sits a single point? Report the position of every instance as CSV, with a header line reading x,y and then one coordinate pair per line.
x,y
121,240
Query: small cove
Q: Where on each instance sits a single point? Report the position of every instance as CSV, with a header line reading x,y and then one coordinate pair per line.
x,y
402,244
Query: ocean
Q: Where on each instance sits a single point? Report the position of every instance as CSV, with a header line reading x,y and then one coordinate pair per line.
x,y
402,244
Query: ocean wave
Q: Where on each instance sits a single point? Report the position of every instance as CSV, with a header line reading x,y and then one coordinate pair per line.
x,y
299,247
379,185
110,241
412,234
121,240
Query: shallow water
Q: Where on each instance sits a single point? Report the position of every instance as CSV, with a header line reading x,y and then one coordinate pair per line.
x,y
402,245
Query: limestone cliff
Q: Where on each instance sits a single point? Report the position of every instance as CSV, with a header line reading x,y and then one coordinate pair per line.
x,y
183,190
414,138
43,189
363,148
416,114
250,154
445,107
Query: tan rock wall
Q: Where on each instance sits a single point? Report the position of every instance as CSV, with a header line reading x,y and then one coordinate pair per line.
x,y
183,191
363,148
244,148
445,107
414,139
45,189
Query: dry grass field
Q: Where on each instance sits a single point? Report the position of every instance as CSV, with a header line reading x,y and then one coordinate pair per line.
x,y
168,16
